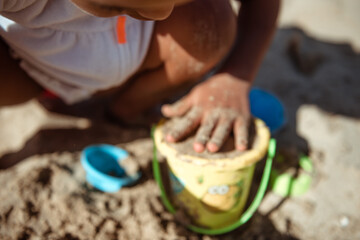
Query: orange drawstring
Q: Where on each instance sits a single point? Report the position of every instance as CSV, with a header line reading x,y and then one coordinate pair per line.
x,y
121,29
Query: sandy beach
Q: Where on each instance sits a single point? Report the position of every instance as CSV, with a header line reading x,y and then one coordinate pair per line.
x,y
312,66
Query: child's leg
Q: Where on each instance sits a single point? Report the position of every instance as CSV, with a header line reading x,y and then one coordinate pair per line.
x,y
16,85
184,48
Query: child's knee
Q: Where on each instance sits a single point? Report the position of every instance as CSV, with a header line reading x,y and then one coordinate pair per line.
x,y
214,29
202,33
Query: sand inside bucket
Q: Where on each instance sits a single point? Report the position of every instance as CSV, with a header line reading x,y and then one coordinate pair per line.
x,y
227,151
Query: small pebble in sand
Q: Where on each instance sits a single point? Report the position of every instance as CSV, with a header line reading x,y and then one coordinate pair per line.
x,y
344,221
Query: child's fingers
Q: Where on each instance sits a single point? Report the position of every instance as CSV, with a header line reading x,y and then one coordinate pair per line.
x,y
241,133
220,134
176,109
185,125
204,132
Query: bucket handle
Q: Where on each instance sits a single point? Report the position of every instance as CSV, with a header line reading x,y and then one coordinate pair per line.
x,y
244,217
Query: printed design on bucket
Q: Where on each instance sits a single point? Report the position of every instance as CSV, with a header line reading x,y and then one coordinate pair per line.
x,y
177,185
200,179
222,197
184,199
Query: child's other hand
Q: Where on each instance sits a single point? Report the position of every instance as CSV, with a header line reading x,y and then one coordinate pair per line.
x,y
217,106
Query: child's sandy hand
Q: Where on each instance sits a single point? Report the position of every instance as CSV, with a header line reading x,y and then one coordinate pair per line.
x,y
219,105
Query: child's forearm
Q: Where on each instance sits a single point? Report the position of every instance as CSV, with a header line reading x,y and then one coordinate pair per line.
x,y
256,25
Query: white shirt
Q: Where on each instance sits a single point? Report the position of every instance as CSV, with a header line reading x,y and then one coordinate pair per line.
x,y
69,51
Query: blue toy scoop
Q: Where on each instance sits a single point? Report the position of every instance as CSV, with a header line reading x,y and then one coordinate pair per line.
x,y
103,168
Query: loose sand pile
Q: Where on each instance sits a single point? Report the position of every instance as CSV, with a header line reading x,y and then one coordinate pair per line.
x,y
47,196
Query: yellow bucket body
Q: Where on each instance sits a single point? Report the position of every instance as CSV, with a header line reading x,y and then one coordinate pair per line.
x,y
213,192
